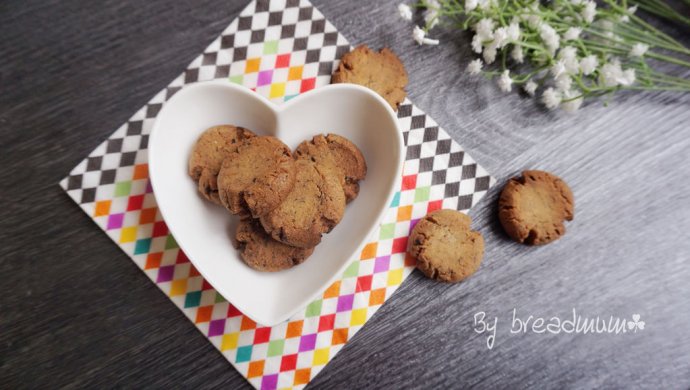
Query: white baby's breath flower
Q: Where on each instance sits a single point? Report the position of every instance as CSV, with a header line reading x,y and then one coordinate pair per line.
x,y
564,82
589,11
477,44
490,53
513,31
530,87
572,34
485,29
628,77
589,64
572,100
632,10
405,11
558,69
500,37
567,53
517,54
484,4
569,56
576,2
533,20
605,24
611,74
638,50
431,13
470,5
550,37
551,98
475,67
505,82
419,36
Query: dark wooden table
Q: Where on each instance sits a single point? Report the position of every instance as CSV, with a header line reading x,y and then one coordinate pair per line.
x,y
76,312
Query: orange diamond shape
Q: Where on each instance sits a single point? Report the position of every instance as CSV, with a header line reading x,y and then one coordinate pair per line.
x,y
404,213
252,65
102,208
295,73
255,369
369,251
294,329
141,171
332,291
302,376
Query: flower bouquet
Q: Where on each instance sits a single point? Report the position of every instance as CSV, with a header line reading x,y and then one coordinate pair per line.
x,y
563,51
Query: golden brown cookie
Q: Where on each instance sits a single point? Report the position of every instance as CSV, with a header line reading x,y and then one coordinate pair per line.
x,y
445,247
340,154
314,206
263,253
208,154
256,177
532,208
382,72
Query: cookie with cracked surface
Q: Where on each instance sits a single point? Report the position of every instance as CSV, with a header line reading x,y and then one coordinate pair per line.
x,y
532,207
314,206
380,71
445,247
256,177
340,154
261,252
211,148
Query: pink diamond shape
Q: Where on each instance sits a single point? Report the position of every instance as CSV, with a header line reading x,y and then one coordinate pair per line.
x,y
382,264
165,274
216,327
265,77
115,221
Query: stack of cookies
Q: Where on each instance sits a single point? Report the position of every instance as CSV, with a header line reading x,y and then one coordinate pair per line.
x,y
286,201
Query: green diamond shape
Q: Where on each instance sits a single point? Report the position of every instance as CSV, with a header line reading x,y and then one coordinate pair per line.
x,y
387,231
170,242
275,347
123,188
352,270
239,79
271,47
421,194
219,298
314,309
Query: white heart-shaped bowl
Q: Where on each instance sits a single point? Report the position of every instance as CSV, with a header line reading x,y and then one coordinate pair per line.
x,y
205,231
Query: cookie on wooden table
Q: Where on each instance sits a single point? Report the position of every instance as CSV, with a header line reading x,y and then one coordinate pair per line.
x,y
445,247
263,253
208,154
256,177
380,71
532,207
314,206
340,154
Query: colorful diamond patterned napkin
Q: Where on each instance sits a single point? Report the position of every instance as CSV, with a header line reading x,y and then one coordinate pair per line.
x,y
278,48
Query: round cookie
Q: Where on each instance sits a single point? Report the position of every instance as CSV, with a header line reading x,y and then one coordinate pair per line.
x,y
445,247
382,72
314,206
256,177
340,154
263,253
208,154
532,208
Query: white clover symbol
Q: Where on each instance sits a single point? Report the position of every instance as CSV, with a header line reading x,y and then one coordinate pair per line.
x,y
636,323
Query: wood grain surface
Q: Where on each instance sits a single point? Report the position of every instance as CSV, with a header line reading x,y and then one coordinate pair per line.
x,y
76,312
